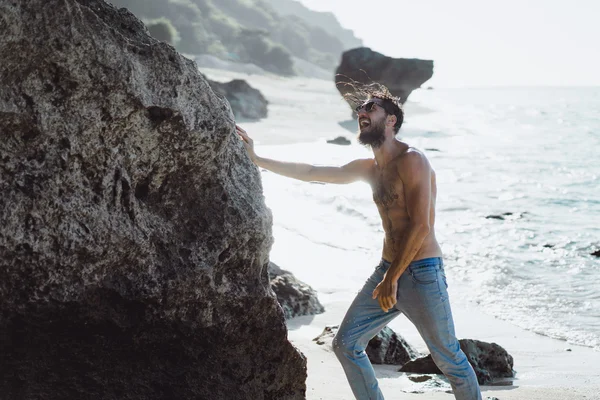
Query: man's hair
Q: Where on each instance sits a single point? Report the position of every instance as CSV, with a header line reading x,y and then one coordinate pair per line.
x,y
360,93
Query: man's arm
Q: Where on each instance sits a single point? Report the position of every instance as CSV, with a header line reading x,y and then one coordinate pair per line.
x,y
351,172
415,173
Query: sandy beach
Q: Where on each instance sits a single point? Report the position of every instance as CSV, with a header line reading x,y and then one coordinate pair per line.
x,y
308,110
545,370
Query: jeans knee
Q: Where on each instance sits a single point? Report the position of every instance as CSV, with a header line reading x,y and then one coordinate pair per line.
x,y
341,346
451,363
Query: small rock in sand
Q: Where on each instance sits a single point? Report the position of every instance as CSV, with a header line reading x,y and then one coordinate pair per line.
x,y
390,348
507,215
419,378
295,297
340,140
386,347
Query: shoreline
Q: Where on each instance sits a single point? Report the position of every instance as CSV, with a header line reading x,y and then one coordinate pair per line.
x,y
544,368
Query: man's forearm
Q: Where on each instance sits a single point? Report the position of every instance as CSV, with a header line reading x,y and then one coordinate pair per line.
x,y
406,250
291,170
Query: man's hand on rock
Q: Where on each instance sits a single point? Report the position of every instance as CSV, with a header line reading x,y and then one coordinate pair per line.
x,y
248,142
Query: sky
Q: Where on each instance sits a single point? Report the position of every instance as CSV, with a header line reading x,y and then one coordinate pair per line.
x,y
482,42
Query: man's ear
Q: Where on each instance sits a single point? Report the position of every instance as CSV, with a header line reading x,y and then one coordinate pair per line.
x,y
391,120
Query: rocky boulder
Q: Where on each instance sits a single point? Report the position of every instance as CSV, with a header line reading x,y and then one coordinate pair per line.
x,y
295,297
135,237
489,360
385,348
389,348
246,102
400,75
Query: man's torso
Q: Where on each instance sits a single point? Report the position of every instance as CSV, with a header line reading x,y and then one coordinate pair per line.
x,y
390,198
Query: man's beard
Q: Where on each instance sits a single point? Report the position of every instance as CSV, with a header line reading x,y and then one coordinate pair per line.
x,y
373,135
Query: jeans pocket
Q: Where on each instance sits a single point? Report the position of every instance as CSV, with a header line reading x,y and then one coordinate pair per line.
x,y
424,275
375,278
444,278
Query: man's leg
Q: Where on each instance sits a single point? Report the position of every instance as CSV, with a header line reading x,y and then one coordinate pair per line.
x,y
423,298
363,320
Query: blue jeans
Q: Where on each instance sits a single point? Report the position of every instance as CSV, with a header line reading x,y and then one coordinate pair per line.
x,y
423,298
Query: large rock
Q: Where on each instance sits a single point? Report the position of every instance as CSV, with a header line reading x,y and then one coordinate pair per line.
x,y
135,238
295,297
389,348
489,360
384,348
246,102
400,75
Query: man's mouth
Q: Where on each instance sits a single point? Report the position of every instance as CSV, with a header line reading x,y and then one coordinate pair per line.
x,y
363,123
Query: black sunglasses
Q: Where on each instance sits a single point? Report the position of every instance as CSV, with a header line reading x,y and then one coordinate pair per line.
x,y
368,105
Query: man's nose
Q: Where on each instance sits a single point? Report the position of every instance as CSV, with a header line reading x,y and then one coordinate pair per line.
x,y
362,113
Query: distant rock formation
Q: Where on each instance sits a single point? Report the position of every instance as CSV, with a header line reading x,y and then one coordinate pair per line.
x,y
324,20
295,297
400,75
246,102
279,36
135,237
489,360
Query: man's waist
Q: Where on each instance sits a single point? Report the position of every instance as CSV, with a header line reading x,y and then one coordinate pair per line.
x,y
422,262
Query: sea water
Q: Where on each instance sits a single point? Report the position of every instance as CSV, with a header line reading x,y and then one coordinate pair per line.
x,y
518,206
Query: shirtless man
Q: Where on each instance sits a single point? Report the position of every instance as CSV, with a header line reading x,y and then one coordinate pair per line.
x,y
410,278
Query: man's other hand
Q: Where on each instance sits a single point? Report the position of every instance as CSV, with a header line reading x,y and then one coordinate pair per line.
x,y
248,142
385,293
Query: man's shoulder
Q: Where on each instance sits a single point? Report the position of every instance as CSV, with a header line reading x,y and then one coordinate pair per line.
x,y
412,161
412,155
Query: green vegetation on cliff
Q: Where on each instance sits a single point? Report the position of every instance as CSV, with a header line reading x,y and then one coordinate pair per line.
x,y
163,29
245,31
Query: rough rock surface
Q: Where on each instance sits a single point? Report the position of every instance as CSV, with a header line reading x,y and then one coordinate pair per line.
x,y
389,348
246,102
489,360
400,75
385,348
135,238
295,297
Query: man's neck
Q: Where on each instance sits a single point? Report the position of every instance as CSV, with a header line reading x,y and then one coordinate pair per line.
x,y
390,148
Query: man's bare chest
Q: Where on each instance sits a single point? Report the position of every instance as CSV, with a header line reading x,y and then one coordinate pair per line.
x,y
388,190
